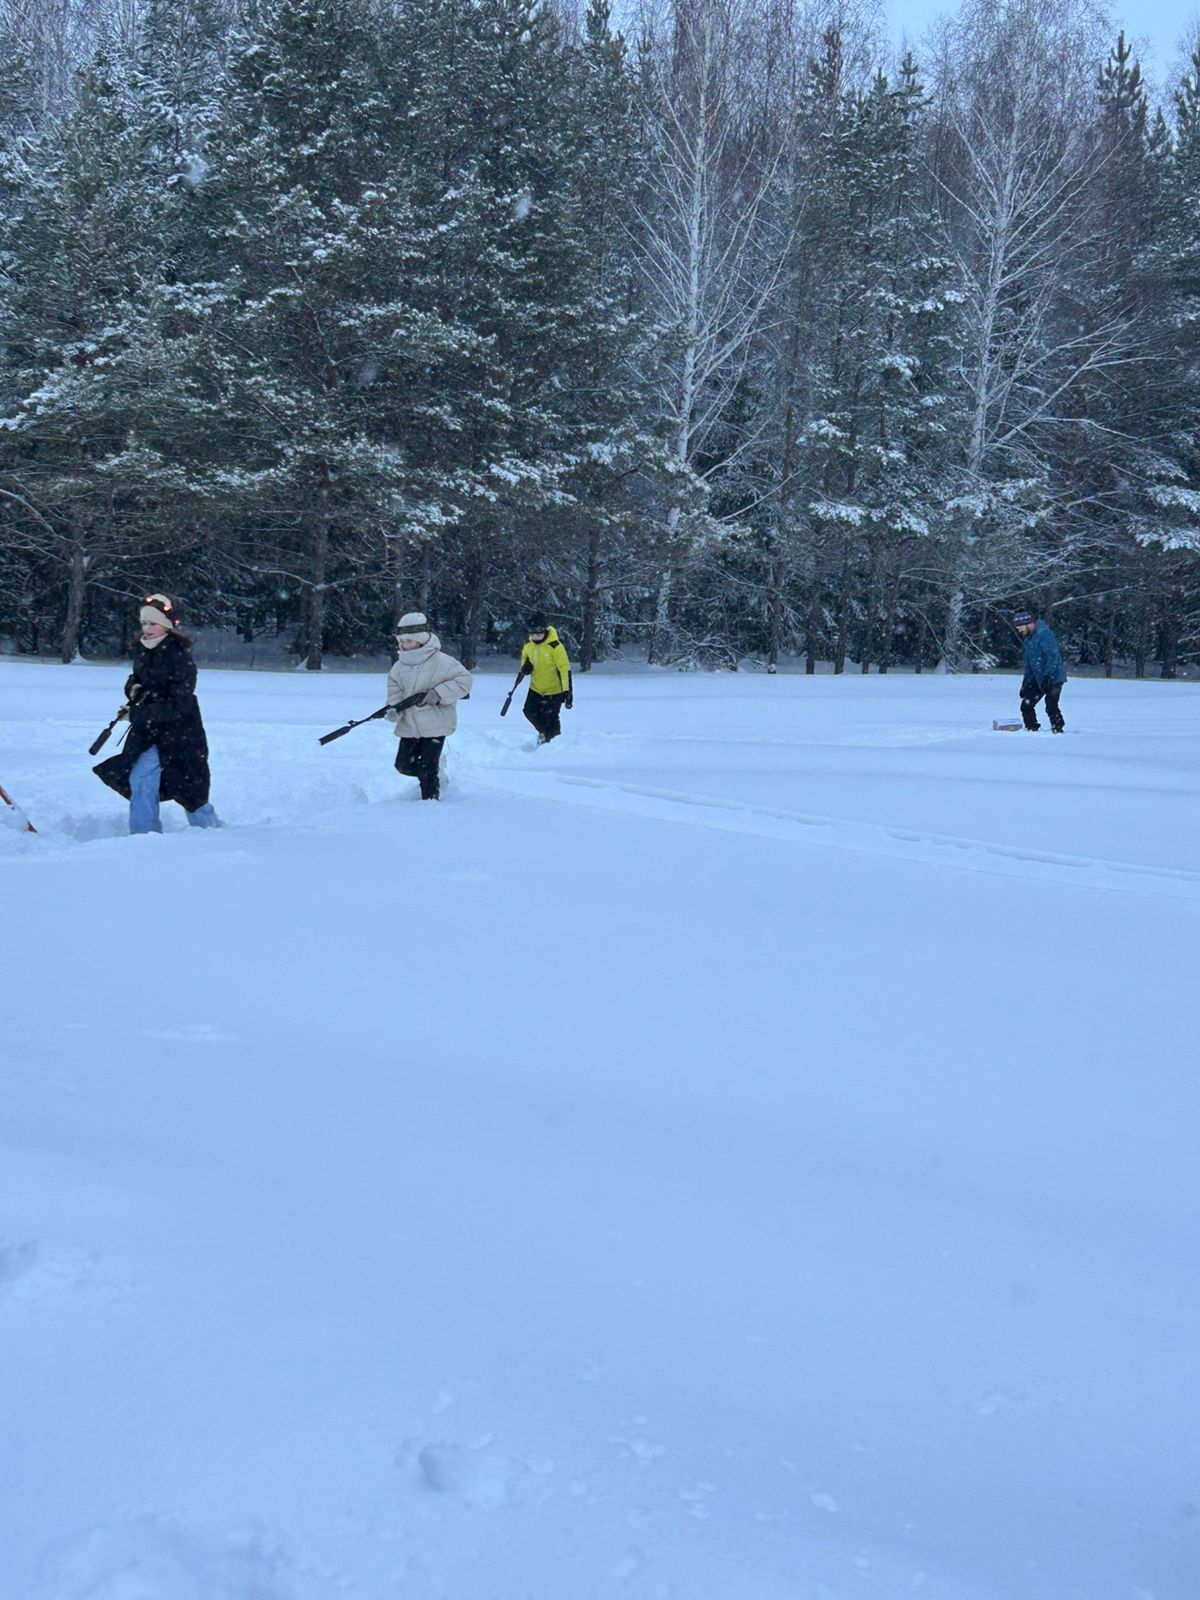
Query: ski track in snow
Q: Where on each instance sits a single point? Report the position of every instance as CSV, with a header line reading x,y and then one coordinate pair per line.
x,y
841,833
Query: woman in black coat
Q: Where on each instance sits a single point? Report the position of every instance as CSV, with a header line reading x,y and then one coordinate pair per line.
x,y
165,756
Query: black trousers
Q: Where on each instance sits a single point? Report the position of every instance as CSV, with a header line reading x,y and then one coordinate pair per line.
x,y
1029,699
543,711
419,758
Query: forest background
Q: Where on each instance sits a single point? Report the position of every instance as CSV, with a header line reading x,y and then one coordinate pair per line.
x,y
711,328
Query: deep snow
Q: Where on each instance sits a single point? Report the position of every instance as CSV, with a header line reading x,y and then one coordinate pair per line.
x,y
745,1151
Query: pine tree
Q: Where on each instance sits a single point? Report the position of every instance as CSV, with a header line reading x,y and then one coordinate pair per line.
x,y
317,344
88,375
1168,528
523,238
874,446
178,75
1115,462
615,458
514,272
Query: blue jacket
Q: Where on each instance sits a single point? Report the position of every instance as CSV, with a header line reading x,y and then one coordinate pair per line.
x,y
1043,660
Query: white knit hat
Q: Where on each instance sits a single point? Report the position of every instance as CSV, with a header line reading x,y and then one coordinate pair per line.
x,y
158,608
413,623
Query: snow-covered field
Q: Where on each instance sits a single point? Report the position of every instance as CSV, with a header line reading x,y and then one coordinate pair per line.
x,y
745,1151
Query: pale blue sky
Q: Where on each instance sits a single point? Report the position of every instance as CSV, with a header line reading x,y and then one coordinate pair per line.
x,y
1161,23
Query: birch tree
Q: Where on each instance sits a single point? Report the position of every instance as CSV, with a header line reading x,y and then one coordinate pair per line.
x,y
1014,167
700,245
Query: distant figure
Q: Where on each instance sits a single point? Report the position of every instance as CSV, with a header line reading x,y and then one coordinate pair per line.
x,y
1044,672
423,688
544,662
165,756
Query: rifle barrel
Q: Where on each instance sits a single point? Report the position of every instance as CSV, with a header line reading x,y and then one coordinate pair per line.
x,y
327,738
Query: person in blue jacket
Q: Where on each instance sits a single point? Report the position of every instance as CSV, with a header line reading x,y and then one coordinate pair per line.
x,y
1044,672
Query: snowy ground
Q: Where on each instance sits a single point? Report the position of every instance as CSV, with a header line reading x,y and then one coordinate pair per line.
x,y
746,1151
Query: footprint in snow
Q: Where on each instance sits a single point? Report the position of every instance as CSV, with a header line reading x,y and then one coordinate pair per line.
x,y
16,1262
89,829
476,1476
637,1444
30,1276
164,1558
999,1400
695,1497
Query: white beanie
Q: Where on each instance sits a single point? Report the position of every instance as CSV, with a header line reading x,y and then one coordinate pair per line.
x,y
413,623
158,608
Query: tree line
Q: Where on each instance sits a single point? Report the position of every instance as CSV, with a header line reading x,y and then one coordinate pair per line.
x,y
721,335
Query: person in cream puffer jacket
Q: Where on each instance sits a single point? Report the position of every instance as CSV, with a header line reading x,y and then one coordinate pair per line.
x,y
424,687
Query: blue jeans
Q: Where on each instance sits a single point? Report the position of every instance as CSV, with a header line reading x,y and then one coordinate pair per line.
x,y
143,803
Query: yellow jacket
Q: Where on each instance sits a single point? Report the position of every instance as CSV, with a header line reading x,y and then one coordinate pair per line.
x,y
550,666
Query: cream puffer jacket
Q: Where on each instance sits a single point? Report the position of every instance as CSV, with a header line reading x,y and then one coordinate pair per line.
x,y
430,671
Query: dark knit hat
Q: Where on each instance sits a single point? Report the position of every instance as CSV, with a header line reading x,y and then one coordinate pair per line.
x,y
1022,619
537,622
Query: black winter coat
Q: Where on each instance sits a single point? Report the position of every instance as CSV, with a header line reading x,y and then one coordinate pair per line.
x,y
166,714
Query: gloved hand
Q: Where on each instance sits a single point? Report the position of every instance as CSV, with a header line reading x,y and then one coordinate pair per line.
x,y
569,699
526,670
123,714
134,691
411,700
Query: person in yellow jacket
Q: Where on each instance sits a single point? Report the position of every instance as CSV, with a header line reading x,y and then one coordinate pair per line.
x,y
544,662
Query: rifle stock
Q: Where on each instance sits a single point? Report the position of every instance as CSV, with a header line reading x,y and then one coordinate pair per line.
x,y
101,738
509,695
